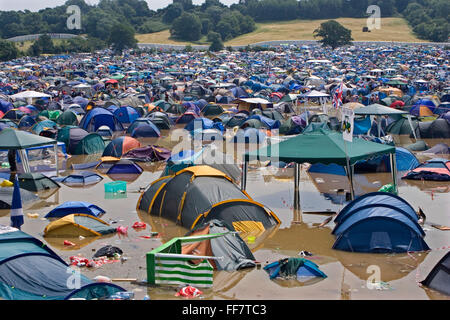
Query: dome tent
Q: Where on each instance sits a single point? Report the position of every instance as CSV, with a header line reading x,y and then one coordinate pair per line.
x,y
439,278
118,146
78,141
378,222
30,270
71,207
98,117
74,225
201,193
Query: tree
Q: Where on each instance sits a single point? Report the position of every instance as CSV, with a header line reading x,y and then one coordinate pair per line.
x,y
216,41
122,37
187,27
8,50
333,34
173,11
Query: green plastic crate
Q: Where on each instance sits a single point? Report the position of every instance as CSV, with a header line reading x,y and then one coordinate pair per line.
x,y
116,186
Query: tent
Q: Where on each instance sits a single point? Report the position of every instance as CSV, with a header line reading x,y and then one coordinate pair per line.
x,y
36,182
249,135
125,166
186,117
378,110
79,141
419,145
199,194
106,163
405,161
138,122
30,270
98,117
235,252
302,269
161,120
378,222
436,129
439,277
78,224
148,153
72,207
202,124
435,169
145,130
51,114
119,146
26,121
402,127
212,110
6,194
43,125
67,118
80,179
208,155
440,148
333,149
126,115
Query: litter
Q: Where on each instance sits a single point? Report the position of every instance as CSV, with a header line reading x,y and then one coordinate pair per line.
x,y
188,292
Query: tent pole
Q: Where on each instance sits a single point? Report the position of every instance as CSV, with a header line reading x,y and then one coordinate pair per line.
x,y
379,126
411,125
394,171
244,176
56,158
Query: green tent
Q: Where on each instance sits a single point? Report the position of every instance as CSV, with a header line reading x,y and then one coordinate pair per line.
x,y
67,118
321,146
36,182
402,127
51,115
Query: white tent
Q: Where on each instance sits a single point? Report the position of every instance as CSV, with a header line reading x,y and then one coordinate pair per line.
x,y
29,95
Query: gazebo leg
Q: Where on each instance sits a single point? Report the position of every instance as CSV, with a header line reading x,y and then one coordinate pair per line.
x,y
55,148
393,162
297,209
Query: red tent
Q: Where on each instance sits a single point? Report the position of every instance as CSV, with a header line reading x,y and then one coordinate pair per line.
x,y
397,104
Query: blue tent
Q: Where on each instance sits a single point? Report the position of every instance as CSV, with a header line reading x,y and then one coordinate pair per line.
x,y
303,269
5,106
266,122
71,207
126,114
203,124
29,270
26,122
378,222
145,130
42,125
361,126
98,117
249,135
81,178
125,167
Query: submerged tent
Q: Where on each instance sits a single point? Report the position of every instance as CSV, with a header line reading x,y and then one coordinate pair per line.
x,y
302,269
138,122
126,115
439,278
30,270
36,182
119,146
6,194
146,130
80,179
78,224
378,222
71,207
125,166
148,153
160,120
201,193
436,169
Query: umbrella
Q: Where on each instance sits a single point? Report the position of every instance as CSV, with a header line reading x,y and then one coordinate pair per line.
x,y
16,206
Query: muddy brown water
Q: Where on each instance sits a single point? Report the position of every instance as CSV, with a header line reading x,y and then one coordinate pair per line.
x,y
347,272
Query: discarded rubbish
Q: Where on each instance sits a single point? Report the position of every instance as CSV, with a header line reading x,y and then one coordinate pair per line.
x,y
69,243
189,292
102,279
33,215
139,225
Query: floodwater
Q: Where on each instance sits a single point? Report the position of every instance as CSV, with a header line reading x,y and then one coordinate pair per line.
x,y
347,272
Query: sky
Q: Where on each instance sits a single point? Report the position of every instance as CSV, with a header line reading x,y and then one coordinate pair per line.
x,y
35,5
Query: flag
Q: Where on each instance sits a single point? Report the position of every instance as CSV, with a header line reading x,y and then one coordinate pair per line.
x,y
16,206
337,97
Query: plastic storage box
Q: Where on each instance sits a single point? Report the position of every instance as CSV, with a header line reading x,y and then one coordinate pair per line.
x,y
116,186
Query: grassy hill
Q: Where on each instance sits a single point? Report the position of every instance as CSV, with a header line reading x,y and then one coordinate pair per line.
x,y
392,29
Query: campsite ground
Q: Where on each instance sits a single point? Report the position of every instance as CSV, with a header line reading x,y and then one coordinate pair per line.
x,y
392,29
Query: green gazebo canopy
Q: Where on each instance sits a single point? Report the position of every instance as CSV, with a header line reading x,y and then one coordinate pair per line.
x,y
15,139
322,146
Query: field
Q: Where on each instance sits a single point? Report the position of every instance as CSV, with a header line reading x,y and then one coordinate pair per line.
x,y
392,29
